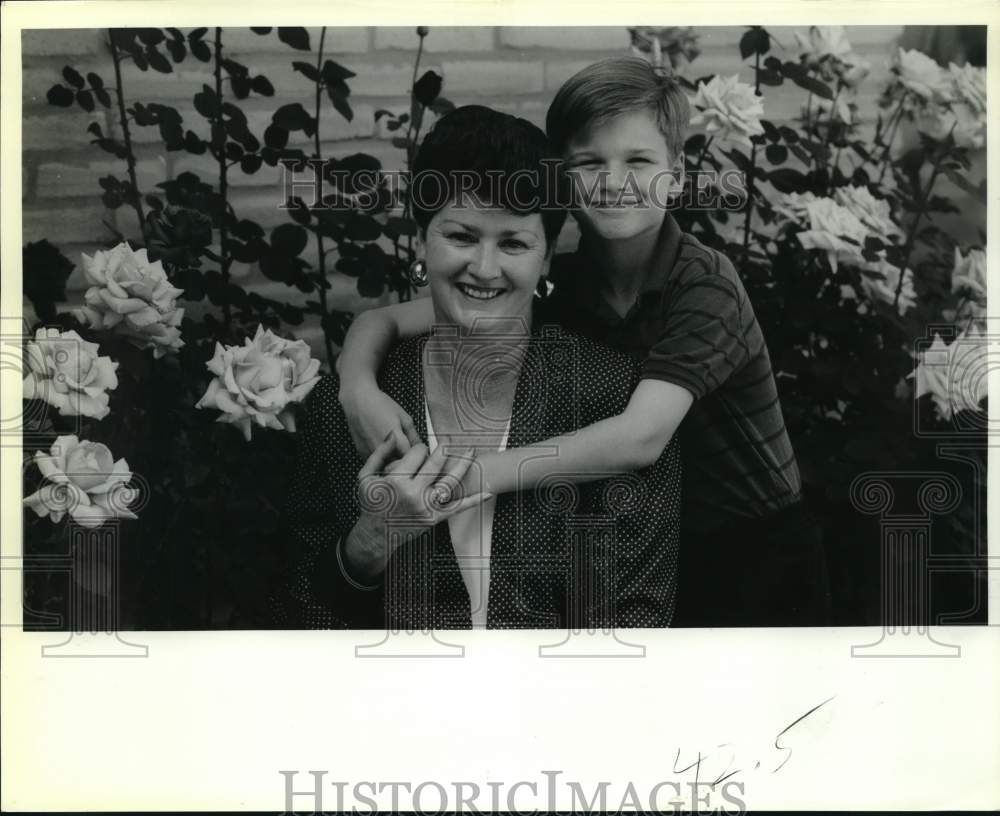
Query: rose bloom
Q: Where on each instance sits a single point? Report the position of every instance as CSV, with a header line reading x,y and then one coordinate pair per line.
x,y
921,75
728,109
968,84
65,371
83,479
827,49
259,381
959,109
967,128
795,206
829,225
873,212
843,109
954,375
133,296
882,285
969,274
824,41
852,69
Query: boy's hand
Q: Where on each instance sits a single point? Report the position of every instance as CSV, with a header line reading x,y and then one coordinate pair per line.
x,y
372,415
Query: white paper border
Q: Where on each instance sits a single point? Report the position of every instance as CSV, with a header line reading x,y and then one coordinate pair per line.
x,y
208,719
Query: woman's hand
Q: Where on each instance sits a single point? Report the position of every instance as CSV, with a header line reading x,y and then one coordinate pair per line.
x,y
417,491
422,487
371,415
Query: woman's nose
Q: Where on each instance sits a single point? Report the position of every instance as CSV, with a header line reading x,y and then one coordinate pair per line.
x,y
484,264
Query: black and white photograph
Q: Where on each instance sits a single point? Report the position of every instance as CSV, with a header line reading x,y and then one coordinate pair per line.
x,y
411,329
536,328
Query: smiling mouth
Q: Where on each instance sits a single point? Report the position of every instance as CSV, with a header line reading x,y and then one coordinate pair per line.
x,y
478,292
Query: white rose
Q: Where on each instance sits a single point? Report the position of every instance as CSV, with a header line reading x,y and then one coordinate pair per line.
x,y
852,69
728,109
829,226
83,479
133,296
880,278
969,274
969,126
966,126
259,381
824,41
921,75
968,85
828,49
65,371
795,206
960,110
873,212
956,375
842,110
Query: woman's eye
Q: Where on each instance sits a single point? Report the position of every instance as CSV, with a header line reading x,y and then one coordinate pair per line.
x,y
513,243
462,237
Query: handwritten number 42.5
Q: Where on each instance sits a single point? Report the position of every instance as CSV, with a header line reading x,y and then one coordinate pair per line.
x,y
727,772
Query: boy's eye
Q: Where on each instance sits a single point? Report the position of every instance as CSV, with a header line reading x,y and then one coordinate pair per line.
x,y
639,160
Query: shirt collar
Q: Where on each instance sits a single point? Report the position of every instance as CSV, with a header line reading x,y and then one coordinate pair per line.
x,y
664,258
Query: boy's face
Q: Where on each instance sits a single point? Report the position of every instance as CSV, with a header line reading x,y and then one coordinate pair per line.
x,y
622,176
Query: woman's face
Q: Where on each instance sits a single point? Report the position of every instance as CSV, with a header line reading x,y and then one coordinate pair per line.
x,y
483,263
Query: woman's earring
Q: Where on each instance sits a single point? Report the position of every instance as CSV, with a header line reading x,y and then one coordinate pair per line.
x,y
417,273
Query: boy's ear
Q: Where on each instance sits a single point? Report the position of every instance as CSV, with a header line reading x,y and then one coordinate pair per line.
x,y
678,169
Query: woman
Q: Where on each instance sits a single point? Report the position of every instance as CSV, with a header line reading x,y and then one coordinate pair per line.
x,y
406,543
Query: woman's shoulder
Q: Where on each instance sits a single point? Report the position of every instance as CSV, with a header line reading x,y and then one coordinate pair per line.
x,y
400,372
601,379
594,358
325,392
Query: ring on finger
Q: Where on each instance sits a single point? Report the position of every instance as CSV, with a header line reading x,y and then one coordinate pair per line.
x,y
441,494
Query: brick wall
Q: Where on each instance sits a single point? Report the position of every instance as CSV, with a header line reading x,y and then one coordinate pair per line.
x,y
514,69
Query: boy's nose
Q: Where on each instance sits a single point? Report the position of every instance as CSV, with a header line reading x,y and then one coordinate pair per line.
x,y
615,177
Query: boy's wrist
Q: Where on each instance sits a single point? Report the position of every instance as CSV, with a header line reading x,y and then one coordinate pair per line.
x,y
485,476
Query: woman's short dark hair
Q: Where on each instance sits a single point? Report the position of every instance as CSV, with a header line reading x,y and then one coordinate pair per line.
x,y
501,160
613,87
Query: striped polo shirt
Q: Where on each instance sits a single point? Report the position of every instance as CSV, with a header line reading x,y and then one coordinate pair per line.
x,y
693,325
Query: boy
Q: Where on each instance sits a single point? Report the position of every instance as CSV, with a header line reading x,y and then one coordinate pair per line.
x,y
750,554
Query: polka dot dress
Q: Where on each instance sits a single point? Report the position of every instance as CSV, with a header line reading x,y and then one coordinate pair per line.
x,y
595,555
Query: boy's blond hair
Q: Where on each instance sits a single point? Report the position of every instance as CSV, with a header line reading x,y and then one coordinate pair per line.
x,y
616,86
